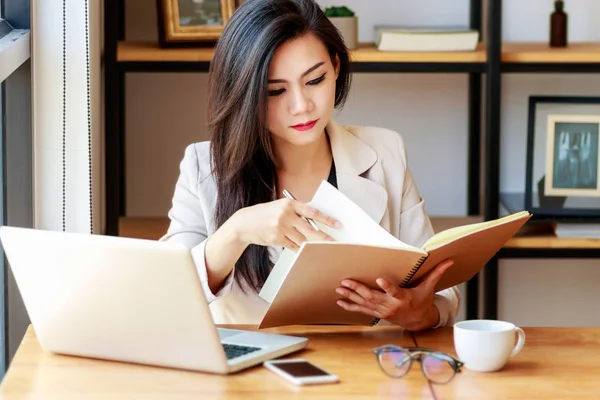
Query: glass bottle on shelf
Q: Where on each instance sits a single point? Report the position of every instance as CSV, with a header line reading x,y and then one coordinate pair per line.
x,y
558,25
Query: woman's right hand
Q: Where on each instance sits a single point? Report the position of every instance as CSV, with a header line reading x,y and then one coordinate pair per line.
x,y
280,223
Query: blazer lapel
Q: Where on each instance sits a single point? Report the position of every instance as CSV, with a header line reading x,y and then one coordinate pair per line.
x,y
353,158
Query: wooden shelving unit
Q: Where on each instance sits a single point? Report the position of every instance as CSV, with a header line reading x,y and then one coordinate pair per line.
x,y
485,67
366,53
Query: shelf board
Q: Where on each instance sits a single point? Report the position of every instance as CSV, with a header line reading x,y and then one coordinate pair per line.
x,y
155,227
152,228
151,52
551,242
135,52
528,52
368,53
441,223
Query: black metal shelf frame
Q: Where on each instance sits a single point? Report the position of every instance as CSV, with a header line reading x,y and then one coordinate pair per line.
x,y
545,252
359,67
549,68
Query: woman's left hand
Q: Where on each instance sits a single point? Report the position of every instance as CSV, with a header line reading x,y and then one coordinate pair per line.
x,y
411,308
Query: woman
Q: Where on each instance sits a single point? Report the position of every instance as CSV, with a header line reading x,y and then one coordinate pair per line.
x,y
279,70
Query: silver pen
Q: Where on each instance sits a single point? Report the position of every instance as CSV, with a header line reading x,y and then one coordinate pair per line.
x,y
309,220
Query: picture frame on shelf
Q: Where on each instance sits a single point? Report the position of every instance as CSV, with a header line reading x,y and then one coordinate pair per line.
x,y
192,22
562,181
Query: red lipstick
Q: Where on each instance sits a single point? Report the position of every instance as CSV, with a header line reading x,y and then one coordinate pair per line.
x,y
305,126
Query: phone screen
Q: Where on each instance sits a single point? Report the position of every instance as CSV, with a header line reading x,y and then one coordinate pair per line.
x,y
301,369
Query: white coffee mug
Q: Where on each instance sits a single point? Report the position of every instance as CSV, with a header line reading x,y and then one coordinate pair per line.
x,y
486,345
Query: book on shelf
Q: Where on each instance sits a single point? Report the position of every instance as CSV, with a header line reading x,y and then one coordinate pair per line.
x,y
577,230
423,39
301,286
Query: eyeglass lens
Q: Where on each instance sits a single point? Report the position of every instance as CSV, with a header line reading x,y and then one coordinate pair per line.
x,y
395,362
436,368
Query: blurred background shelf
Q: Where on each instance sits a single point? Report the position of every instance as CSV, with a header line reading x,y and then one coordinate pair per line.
x,y
518,247
143,227
512,53
528,52
137,56
540,57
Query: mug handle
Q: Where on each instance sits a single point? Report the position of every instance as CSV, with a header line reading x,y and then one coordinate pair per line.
x,y
520,342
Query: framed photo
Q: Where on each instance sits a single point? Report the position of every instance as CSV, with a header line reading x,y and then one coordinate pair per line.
x,y
192,22
572,156
563,158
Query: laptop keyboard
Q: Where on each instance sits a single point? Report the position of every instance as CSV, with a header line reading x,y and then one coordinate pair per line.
x,y
233,350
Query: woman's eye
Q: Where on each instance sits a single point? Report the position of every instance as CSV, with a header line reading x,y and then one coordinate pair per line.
x,y
317,81
276,92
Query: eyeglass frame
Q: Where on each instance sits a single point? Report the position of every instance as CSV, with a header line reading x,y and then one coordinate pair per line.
x,y
416,353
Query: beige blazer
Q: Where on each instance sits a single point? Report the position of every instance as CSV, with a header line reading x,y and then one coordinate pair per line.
x,y
372,170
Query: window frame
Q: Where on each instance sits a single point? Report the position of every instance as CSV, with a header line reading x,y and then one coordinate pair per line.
x,y
16,156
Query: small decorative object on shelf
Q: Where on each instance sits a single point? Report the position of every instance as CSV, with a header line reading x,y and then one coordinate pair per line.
x,y
346,22
558,25
192,22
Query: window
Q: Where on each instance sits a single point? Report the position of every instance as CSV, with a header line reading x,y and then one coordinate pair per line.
x,y
16,199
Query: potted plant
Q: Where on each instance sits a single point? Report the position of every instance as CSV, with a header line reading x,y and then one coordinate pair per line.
x,y
346,22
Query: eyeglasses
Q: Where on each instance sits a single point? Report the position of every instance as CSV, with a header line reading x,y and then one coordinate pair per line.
x,y
438,367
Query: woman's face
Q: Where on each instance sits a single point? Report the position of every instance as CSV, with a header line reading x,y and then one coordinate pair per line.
x,y
301,91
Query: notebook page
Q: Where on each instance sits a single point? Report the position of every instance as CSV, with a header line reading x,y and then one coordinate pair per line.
x,y
457,232
357,226
277,275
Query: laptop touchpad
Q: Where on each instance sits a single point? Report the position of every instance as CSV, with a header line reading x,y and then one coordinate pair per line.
x,y
225,333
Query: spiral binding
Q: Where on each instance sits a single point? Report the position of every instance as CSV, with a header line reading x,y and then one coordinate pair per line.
x,y
64,115
405,281
413,271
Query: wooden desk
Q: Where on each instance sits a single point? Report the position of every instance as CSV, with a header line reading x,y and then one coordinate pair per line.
x,y
556,363
35,374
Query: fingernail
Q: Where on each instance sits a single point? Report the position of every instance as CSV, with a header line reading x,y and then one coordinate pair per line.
x,y
337,224
339,291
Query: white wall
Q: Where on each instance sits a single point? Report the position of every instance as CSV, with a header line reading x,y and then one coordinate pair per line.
x,y
165,112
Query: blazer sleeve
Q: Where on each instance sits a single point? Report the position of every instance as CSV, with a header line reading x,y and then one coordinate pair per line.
x,y
188,220
415,229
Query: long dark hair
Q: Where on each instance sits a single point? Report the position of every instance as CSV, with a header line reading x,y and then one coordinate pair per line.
x,y
241,152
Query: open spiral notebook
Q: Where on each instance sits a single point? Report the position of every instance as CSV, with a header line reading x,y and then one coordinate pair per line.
x,y
301,286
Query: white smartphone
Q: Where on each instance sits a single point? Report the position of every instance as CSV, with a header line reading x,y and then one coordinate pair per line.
x,y
300,372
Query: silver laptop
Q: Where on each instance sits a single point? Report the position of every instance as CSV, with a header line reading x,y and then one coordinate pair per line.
x,y
129,300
